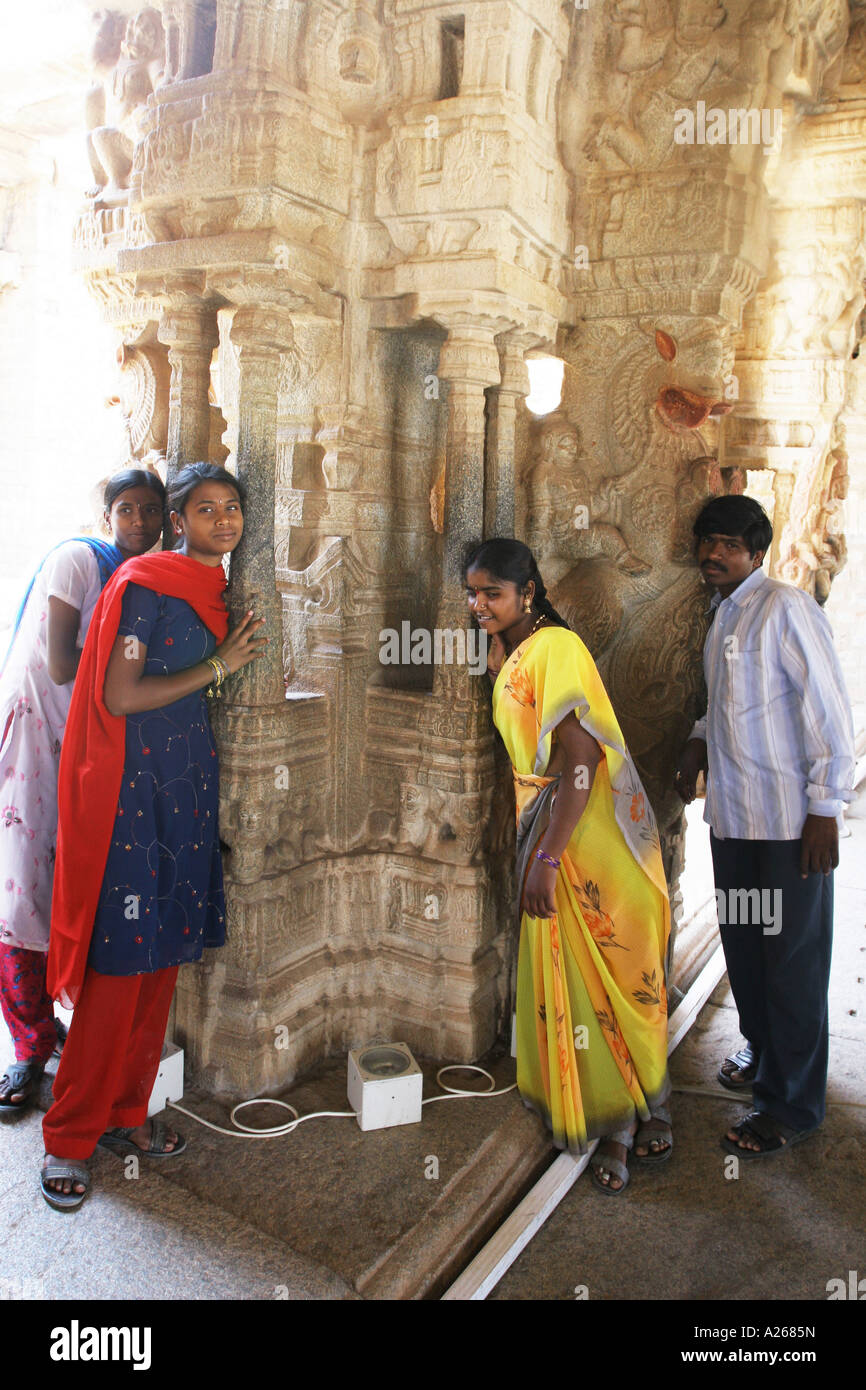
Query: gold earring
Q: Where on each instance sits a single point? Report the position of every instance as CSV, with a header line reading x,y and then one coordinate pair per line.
x,y
527,604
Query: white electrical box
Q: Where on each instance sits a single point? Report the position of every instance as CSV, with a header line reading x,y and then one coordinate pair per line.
x,y
169,1079
384,1086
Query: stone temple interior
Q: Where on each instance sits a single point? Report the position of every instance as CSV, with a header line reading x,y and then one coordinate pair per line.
x,y
325,237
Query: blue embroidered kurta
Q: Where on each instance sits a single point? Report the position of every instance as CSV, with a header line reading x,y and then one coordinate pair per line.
x,y
162,894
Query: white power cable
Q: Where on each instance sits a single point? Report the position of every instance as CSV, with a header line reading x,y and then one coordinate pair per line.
x,y
242,1131
454,1092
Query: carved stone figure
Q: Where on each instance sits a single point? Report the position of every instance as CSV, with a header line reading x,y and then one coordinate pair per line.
x,y
817,300
685,406
821,552
134,76
564,514
143,397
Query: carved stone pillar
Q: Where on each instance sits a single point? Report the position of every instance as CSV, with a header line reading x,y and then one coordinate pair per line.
x,y
499,480
189,38
259,336
469,361
794,369
191,335
245,35
456,773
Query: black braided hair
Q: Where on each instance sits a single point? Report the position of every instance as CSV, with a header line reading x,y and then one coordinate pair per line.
x,y
511,560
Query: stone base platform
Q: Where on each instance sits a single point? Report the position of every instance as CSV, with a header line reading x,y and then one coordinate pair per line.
x,y
328,1212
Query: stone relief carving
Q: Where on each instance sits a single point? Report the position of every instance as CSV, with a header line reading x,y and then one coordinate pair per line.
x,y
819,550
667,57
114,117
565,513
815,302
685,406
644,628
143,398
439,824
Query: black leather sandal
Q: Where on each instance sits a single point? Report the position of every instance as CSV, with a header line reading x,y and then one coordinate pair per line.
x,y
743,1062
119,1141
772,1135
21,1078
59,1170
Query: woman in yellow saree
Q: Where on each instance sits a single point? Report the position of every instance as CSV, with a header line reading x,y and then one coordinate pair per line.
x,y
591,1001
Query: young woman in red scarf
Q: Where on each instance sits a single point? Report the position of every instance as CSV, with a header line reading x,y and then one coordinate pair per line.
x,y
138,885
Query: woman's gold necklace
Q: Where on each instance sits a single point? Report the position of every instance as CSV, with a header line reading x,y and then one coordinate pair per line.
x,y
536,625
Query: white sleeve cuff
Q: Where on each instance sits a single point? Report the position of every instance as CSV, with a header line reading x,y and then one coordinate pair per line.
x,y
825,808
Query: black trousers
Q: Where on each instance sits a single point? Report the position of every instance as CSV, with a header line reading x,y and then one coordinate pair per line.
x,y
777,937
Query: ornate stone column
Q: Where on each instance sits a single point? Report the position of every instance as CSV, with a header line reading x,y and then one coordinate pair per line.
x,y
499,473
469,362
794,366
227,1012
456,772
190,332
259,335
256,34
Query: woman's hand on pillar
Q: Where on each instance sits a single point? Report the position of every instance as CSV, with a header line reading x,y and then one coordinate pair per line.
x,y
242,645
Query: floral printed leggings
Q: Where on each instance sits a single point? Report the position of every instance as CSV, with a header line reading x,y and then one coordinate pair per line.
x,y
26,1004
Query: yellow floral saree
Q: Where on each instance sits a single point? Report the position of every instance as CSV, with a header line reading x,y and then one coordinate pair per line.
x,y
591,1001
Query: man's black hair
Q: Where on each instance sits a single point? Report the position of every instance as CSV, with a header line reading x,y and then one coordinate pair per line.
x,y
735,516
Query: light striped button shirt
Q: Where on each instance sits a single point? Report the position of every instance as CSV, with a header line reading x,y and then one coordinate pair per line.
x,y
778,727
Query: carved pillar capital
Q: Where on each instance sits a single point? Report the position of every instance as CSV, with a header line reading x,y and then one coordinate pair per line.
x,y
469,357
188,326
513,348
264,329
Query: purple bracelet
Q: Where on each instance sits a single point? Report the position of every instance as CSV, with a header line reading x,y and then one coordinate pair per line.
x,y
546,859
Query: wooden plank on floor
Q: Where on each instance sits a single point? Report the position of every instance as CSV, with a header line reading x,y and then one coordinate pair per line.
x,y
517,1230
691,1004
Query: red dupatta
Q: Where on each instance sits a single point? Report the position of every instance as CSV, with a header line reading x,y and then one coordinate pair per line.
x,y
92,757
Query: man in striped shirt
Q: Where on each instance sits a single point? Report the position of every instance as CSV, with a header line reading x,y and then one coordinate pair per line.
x,y
777,747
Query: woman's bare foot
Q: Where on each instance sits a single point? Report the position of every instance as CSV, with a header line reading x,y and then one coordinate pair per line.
x,y
608,1148
141,1137
62,1185
655,1138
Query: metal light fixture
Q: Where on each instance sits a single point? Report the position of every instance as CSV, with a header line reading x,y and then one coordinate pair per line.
x,y
384,1086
